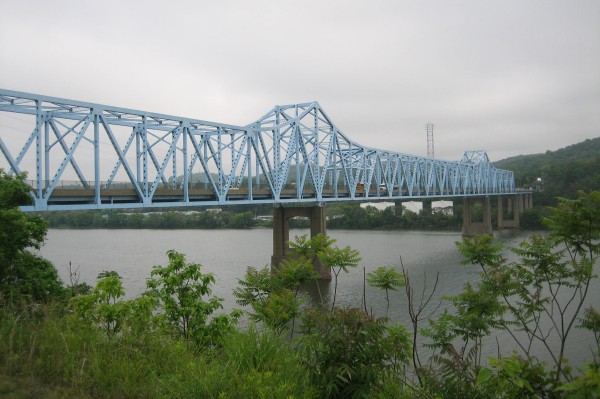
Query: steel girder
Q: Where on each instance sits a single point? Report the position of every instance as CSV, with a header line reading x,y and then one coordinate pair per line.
x,y
91,156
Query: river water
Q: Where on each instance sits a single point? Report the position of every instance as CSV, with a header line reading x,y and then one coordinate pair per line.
x,y
227,254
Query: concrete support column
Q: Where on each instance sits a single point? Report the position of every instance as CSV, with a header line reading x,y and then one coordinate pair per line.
x,y
281,234
502,223
500,212
466,217
471,228
427,207
516,215
398,208
520,204
487,213
318,221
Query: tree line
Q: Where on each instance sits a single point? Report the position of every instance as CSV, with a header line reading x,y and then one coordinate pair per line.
x,y
169,219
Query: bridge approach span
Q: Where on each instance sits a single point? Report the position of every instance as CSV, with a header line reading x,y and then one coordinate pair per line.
x,y
82,155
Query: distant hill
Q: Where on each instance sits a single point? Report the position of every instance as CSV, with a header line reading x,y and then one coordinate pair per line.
x,y
562,172
588,150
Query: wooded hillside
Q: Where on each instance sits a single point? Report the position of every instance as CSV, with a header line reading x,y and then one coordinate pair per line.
x,y
562,172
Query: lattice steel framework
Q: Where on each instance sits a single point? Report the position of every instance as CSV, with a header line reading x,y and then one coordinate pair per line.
x,y
89,156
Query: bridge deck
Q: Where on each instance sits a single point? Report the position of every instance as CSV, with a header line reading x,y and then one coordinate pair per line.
x,y
85,198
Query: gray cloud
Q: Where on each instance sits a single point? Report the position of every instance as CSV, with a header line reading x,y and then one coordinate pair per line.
x,y
511,77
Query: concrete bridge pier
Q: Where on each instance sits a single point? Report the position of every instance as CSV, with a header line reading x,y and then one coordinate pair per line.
x,y
281,234
512,204
427,207
525,201
528,201
520,204
471,228
398,208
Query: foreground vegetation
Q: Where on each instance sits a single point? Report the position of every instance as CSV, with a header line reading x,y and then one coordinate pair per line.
x,y
174,340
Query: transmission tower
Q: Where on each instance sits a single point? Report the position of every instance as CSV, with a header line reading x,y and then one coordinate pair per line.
x,y
429,126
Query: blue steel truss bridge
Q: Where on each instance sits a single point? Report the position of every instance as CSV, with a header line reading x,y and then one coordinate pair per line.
x,y
81,155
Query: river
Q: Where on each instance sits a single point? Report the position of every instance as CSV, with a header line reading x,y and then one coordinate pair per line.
x,y
227,253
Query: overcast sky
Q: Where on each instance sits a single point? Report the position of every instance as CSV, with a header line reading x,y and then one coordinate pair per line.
x,y
511,76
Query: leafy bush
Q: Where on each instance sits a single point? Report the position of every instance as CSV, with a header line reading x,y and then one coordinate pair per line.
x,y
179,289
386,278
274,297
349,353
536,300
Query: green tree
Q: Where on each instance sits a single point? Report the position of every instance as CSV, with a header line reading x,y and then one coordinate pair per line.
x,y
349,353
295,272
320,248
242,220
386,278
180,288
256,286
274,297
536,300
513,377
21,272
34,278
18,230
271,304
103,307
591,322
586,386
338,259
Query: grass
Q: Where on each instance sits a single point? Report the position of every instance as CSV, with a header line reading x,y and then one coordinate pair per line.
x,y
20,387
50,356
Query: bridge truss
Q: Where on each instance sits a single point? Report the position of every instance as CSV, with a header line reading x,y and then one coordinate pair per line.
x,y
89,156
